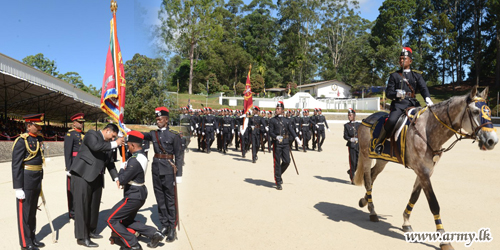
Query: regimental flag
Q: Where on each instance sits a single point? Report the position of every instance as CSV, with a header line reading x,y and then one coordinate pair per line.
x,y
113,84
248,102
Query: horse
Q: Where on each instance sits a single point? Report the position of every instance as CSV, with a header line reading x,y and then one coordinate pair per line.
x,y
467,116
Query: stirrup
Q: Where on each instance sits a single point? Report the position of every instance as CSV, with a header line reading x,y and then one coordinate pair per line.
x,y
379,148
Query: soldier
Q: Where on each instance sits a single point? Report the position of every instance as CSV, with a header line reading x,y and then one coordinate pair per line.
x,y
210,126
27,175
401,89
72,142
297,120
351,136
132,177
185,120
305,128
269,141
166,171
237,134
255,123
263,131
227,130
219,117
281,130
314,129
320,128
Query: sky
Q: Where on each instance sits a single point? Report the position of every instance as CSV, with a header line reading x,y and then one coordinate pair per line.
x,y
75,34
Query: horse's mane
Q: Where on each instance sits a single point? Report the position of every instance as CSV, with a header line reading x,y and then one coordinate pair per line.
x,y
443,106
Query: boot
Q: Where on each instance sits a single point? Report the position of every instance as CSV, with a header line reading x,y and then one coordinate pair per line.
x,y
171,235
380,142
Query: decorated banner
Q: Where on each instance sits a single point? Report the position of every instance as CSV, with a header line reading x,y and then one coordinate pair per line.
x,y
113,84
248,102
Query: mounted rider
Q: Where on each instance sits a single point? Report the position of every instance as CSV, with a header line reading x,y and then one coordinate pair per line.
x,y
401,89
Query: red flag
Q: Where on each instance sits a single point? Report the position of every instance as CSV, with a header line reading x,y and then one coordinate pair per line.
x,y
248,102
113,84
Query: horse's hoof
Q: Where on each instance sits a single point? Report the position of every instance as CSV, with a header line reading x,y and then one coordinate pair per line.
x,y
446,246
362,202
374,218
407,229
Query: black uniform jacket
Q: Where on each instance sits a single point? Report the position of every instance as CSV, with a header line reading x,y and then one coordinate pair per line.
x,y
170,141
210,123
72,142
94,155
281,126
416,81
134,172
21,178
351,131
321,121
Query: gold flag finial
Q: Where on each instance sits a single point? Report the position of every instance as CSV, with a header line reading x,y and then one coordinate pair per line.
x,y
250,66
114,6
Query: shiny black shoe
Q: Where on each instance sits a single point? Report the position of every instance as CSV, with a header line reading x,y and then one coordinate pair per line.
x,y
164,230
134,247
29,248
278,186
155,240
379,148
86,243
38,244
95,236
171,235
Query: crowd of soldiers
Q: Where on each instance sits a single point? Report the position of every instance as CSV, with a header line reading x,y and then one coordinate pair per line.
x,y
228,127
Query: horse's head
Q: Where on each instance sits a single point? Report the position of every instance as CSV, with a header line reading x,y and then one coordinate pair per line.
x,y
477,120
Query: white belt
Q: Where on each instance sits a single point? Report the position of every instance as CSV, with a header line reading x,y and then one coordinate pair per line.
x,y
305,124
320,123
185,124
227,125
133,183
209,124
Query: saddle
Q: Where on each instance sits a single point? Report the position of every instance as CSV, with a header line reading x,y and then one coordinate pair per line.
x,y
395,144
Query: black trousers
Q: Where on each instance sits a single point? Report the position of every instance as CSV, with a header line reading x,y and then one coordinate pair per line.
x,y
122,219
281,159
353,161
255,145
237,139
269,142
306,136
227,138
71,210
26,216
165,198
86,202
209,139
320,137
314,137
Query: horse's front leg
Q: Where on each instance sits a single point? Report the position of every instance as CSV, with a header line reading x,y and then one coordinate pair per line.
x,y
413,199
425,182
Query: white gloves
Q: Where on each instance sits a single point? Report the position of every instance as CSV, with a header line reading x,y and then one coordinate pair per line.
x,y
196,125
126,129
252,127
428,101
217,131
296,130
317,126
400,93
300,132
192,128
68,173
202,133
178,179
267,128
123,165
329,130
299,143
20,193
120,134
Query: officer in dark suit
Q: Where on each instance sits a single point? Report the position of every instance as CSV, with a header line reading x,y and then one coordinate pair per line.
x,y
269,141
402,88
72,142
281,131
297,120
320,128
132,178
351,136
305,128
166,171
210,126
87,180
314,129
237,124
27,175
255,123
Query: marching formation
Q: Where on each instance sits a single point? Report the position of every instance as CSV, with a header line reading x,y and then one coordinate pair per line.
x,y
257,130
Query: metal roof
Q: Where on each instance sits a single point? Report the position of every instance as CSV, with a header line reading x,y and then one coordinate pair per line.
x,y
26,90
320,83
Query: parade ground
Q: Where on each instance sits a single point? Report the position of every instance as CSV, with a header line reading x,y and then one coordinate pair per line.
x,y
227,202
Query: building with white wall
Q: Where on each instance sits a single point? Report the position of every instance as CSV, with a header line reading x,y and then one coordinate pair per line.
x,y
327,89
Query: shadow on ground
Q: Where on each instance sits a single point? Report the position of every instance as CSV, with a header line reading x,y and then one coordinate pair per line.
x,y
339,212
260,182
58,224
333,179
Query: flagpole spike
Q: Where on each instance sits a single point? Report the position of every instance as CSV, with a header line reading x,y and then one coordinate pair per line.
x,y
114,6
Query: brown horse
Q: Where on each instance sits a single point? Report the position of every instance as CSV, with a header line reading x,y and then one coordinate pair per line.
x,y
467,115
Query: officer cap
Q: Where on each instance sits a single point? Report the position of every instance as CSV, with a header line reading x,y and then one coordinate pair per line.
x,y
78,117
35,119
161,111
135,136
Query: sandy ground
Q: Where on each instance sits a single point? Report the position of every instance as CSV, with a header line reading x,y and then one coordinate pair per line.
x,y
226,202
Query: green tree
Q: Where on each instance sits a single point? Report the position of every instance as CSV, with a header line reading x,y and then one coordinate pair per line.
x,y
188,25
40,62
145,89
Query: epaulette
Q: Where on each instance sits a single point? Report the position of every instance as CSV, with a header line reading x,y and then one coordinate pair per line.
x,y
71,130
24,135
173,131
417,71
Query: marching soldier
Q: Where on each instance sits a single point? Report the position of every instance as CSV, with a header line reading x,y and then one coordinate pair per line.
x,y
227,130
237,134
314,129
185,119
72,142
296,125
255,123
210,126
320,128
305,128
351,136
269,116
27,175
166,171
132,177
281,131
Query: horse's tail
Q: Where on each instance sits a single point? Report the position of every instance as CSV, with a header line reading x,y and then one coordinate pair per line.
x,y
359,175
